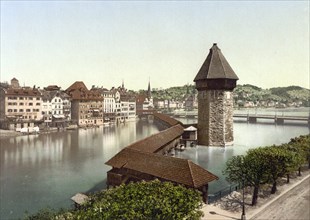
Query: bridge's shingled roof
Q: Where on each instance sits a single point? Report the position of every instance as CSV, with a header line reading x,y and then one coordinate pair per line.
x,y
177,170
167,119
156,141
215,67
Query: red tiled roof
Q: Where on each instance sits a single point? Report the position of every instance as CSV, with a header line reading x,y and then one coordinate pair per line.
x,y
155,142
22,92
78,91
168,168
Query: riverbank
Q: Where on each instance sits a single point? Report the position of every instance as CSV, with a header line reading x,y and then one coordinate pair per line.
x,y
9,133
230,207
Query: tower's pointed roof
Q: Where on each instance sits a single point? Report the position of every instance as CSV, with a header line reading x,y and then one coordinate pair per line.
x,y
215,66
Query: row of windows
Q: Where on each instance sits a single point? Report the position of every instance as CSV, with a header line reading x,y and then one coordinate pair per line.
x,y
29,117
50,112
91,106
58,100
86,117
22,110
22,103
22,98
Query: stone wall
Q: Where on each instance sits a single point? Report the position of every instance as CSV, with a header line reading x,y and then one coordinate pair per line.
x,y
215,117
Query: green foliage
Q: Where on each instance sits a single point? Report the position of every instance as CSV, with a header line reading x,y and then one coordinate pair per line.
x,y
249,169
280,161
266,164
302,144
174,93
278,94
46,214
143,200
242,93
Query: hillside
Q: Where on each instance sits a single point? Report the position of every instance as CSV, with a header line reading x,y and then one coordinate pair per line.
x,y
286,96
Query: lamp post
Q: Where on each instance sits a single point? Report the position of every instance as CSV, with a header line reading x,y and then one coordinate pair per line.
x,y
243,208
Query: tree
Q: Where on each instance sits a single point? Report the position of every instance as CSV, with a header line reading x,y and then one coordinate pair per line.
x,y
302,143
280,162
296,159
250,168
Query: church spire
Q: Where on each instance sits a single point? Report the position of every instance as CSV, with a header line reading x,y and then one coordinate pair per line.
x,y
149,89
123,84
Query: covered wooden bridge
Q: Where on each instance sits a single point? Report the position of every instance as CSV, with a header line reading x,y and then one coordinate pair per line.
x,y
145,160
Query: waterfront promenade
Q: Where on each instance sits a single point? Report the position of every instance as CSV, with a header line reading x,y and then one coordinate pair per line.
x,y
291,202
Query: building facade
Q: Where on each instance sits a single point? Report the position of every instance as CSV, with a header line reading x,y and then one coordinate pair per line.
x,y
86,105
20,106
215,83
56,107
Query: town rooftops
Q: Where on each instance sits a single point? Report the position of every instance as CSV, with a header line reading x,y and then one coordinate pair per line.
x,y
155,142
215,67
167,168
52,88
50,94
22,91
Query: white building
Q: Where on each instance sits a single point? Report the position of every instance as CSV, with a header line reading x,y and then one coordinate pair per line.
x,y
56,107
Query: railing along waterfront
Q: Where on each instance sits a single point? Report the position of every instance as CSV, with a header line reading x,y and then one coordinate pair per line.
x,y
223,192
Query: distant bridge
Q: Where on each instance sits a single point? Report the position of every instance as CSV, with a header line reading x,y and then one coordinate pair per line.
x,y
278,119
251,118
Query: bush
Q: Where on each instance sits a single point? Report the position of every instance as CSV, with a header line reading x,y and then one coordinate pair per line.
x,y
143,200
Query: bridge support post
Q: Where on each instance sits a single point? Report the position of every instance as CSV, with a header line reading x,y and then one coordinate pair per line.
x,y
279,121
252,119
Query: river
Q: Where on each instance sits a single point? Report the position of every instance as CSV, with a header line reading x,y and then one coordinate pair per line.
x,y
39,171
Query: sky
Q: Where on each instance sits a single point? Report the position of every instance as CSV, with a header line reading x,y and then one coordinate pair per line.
x,y
103,43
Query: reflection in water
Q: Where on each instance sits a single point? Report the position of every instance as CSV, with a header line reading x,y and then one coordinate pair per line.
x,y
43,170
37,171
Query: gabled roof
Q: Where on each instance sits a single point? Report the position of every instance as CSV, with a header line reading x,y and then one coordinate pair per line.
x,y
78,91
215,67
168,168
190,128
78,85
155,142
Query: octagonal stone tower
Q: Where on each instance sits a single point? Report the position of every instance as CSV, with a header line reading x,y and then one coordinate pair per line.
x,y
215,83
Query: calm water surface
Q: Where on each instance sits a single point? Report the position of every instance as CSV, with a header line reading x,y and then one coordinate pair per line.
x,y
39,171
46,170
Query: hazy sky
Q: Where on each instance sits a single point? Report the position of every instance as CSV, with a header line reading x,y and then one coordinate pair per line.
x,y
103,42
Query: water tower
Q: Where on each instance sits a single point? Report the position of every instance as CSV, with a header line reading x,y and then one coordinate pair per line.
x,y
215,83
